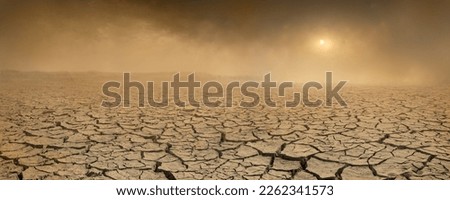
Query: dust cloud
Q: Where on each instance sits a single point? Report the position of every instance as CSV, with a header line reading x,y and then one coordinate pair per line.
x,y
365,42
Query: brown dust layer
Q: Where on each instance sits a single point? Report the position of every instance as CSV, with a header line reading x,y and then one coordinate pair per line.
x,y
52,127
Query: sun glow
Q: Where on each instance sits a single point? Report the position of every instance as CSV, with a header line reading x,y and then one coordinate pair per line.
x,y
324,44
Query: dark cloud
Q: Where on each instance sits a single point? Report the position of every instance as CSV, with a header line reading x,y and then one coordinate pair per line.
x,y
371,41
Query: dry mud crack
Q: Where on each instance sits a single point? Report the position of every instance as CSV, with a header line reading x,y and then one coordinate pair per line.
x,y
50,130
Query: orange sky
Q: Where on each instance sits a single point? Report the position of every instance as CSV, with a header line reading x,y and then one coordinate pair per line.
x,y
404,42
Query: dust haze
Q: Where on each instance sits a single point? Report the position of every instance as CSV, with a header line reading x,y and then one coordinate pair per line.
x,y
367,42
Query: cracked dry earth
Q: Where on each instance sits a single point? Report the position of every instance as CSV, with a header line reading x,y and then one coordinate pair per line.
x,y
52,127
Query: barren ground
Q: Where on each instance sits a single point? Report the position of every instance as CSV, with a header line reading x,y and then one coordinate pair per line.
x,y
52,127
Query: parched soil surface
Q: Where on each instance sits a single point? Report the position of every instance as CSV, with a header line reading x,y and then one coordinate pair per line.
x,y
52,127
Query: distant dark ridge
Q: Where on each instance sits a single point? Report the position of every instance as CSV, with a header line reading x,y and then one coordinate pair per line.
x,y
141,76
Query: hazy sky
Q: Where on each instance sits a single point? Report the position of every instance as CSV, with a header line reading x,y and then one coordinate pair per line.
x,y
362,41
